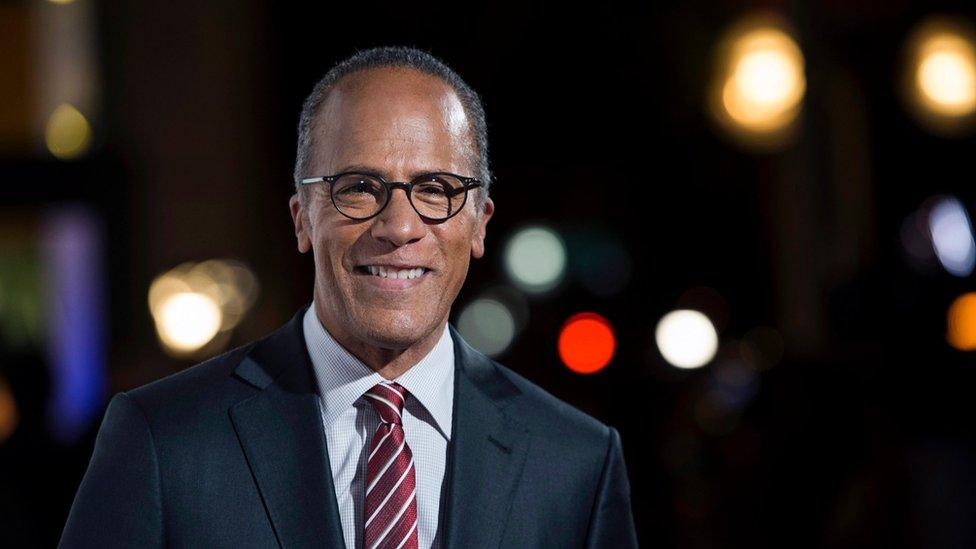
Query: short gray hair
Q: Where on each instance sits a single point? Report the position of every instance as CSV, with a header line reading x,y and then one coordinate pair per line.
x,y
397,56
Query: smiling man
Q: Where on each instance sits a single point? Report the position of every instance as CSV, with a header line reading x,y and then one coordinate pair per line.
x,y
366,420
385,276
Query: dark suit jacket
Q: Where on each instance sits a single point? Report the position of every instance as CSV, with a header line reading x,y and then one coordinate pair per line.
x,y
232,453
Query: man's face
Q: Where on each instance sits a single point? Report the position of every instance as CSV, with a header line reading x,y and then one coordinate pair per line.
x,y
399,123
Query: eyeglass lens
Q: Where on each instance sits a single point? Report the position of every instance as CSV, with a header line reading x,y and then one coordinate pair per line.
x,y
361,195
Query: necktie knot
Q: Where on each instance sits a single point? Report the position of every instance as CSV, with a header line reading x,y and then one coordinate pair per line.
x,y
387,399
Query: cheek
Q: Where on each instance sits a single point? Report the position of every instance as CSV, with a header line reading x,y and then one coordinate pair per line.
x,y
332,259
460,254
328,256
331,240
459,246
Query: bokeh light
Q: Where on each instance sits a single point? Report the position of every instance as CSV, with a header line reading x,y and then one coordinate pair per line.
x,y
488,325
952,236
188,320
513,300
586,343
68,134
235,284
195,302
758,83
939,235
9,416
686,338
961,322
535,259
946,77
76,326
939,83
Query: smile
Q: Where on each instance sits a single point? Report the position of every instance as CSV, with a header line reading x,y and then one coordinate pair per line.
x,y
389,278
389,272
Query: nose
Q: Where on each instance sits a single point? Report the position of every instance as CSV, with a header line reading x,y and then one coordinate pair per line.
x,y
398,223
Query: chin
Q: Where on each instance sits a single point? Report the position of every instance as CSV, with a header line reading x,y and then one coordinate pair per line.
x,y
397,331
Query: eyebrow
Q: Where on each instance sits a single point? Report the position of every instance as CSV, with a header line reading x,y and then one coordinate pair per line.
x,y
370,170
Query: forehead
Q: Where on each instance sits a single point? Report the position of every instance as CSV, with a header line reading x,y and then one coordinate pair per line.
x,y
392,116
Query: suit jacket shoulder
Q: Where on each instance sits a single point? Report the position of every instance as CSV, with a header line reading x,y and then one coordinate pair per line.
x,y
195,485
543,412
216,384
184,410
561,470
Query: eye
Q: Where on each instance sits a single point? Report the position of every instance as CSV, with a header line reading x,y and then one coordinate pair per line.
x,y
430,187
359,187
353,185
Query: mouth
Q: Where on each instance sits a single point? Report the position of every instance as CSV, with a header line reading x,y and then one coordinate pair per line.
x,y
392,273
386,277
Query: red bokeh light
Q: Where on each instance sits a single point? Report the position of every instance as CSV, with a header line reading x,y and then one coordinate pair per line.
x,y
586,343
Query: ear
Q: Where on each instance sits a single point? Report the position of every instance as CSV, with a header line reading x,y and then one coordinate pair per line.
x,y
300,217
478,241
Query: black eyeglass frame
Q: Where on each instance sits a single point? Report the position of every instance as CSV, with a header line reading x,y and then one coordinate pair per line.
x,y
467,183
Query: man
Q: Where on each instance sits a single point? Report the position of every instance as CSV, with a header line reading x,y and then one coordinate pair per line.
x,y
365,421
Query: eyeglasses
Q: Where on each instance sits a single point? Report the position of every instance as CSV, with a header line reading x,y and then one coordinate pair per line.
x,y
435,196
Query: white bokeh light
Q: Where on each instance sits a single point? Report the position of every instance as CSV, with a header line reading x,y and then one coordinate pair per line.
x,y
188,320
487,325
686,338
535,259
952,237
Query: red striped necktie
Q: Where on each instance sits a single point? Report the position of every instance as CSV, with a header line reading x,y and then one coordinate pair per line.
x,y
390,509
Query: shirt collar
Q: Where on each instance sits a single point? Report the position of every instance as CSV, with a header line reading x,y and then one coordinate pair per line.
x,y
343,378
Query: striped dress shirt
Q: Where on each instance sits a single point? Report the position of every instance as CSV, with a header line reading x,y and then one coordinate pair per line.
x,y
350,421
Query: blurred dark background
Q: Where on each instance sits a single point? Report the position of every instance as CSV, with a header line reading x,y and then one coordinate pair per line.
x,y
833,258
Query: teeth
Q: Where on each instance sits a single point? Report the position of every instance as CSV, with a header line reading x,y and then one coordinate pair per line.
x,y
395,273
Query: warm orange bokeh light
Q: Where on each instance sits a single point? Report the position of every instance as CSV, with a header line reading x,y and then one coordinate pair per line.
x,y
758,82
939,75
961,332
8,411
586,343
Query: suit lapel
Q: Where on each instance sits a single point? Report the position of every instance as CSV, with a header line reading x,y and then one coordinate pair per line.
x,y
280,431
486,455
